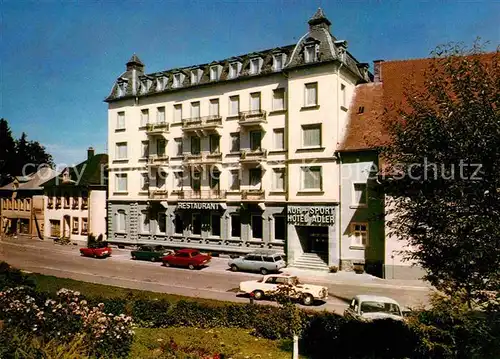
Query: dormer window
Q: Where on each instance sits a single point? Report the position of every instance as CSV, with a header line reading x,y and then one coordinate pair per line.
x,y
122,87
178,80
145,85
215,73
279,62
255,66
196,76
310,53
160,83
234,69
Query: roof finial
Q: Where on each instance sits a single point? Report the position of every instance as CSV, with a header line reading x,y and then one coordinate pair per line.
x,y
319,18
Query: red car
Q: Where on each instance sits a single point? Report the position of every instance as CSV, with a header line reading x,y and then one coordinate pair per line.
x,y
190,258
99,250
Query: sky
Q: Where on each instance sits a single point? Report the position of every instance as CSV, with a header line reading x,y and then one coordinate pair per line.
x,y
59,59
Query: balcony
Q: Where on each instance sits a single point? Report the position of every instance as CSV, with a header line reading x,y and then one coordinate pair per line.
x,y
249,156
50,202
155,129
85,203
201,195
202,125
158,160
203,158
58,202
253,195
158,194
75,203
252,118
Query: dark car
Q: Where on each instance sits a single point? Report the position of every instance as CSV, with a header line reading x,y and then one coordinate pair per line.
x,y
150,253
189,258
96,250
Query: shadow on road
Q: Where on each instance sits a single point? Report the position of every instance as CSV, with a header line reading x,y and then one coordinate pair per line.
x,y
343,299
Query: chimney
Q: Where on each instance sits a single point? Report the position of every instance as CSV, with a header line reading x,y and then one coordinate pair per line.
x,y
377,70
90,153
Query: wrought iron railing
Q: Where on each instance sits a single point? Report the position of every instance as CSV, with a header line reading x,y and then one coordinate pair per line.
x,y
202,194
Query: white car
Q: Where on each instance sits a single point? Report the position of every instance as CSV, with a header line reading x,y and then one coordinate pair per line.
x,y
372,307
268,286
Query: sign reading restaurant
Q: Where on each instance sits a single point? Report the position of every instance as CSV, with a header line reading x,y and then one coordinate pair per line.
x,y
198,205
311,215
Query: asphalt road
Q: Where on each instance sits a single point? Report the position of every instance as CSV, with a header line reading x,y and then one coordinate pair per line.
x,y
213,282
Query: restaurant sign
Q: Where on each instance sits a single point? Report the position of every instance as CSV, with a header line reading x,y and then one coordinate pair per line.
x,y
311,215
198,205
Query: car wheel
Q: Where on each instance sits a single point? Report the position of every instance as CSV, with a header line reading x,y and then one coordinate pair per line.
x,y
307,299
234,267
153,259
258,294
134,257
191,266
263,271
166,264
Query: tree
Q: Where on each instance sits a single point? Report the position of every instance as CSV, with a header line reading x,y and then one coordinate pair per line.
x,y
7,152
444,154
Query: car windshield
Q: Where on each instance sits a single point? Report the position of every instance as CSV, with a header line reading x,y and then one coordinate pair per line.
x,y
194,254
380,307
295,281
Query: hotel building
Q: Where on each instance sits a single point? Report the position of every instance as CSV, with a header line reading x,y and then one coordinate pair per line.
x,y
235,155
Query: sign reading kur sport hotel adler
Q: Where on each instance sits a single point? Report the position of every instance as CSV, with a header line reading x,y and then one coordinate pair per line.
x,y
311,215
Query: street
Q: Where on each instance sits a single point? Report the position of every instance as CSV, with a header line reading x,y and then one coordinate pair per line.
x,y
214,282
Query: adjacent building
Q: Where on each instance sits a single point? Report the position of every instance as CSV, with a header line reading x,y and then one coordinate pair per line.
x,y
235,155
21,204
75,200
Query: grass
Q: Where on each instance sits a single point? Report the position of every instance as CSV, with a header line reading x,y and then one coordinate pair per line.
x,y
233,343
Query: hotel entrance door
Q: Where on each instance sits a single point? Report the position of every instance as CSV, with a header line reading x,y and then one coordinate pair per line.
x,y
313,239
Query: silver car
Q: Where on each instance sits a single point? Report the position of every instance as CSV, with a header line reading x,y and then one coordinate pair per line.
x,y
258,262
372,307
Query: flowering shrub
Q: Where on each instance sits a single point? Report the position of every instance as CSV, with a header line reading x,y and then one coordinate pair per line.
x,y
64,318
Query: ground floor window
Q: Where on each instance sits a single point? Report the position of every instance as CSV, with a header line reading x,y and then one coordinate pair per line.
x,y
24,226
121,220
235,226
145,226
257,227
84,226
196,224
359,234
215,224
178,225
75,225
162,222
279,227
55,228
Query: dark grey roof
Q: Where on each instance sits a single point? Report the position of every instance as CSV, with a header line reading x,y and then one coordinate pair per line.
x,y
135,83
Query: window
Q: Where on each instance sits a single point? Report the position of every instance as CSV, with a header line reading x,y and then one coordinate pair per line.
x,y
255,101
76,226
121,182
343,98
195,145
360,195
177,80
255,140
359,234
311,135
160,115
214,143
279,99
311,94
144,181
235,142
234,105
311,178
215,73
161,146
310,53
145,149
178,113
279,179
55,228
144,117
255,176
178,146
215,224
160,179
196,180
195,109
279,228
178,225
215,181
85,228
257,227
254,66
121,220
279,138
196,224
278,62
66,201
234,70
179,179
120,122
145,227
235,226
121,150
162,222
214,107
195,76
235,180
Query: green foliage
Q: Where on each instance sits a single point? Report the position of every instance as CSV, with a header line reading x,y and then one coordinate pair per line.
x,y
7,153
443,154
11,277
151,313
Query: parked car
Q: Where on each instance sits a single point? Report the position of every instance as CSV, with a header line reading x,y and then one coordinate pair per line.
x,y
150,253
372,307
189,258
97,250
269,285
258,262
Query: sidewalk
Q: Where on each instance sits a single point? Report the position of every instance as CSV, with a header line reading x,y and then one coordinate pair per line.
x,y
219,264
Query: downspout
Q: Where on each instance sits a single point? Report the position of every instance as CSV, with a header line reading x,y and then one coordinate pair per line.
x,y
340,168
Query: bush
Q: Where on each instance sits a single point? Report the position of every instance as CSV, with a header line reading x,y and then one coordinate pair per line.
x,y
151,313
11,277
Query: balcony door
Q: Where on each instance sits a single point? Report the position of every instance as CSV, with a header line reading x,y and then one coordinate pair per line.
x,y
214,184
214,143
255,140
196,183
160,147
255,175
195,145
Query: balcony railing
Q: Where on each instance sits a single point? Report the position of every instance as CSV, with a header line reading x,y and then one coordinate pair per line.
x,y
202,123
76,202
253,156
50,202
85,203
211,194
158,160
253,194
158,194
157,128
58,202
206,158
252,118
